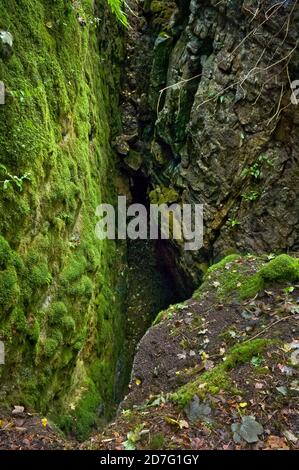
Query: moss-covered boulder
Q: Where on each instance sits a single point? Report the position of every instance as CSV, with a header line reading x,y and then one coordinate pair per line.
x,y
219,362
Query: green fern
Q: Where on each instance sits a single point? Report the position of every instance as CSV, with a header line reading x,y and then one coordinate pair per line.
x,y
117,8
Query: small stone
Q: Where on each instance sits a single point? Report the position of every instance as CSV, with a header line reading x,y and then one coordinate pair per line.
x,y
18,410
6,44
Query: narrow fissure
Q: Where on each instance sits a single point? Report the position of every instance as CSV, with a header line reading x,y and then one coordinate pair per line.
x,y
153,281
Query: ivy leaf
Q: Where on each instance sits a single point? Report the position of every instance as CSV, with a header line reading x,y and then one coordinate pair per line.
x,y
44,422
249,430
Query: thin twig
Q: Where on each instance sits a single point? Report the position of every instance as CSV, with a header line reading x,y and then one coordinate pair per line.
x,y
270,326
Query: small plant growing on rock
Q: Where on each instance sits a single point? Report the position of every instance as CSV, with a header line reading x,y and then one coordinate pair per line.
x,y
13,181
117,8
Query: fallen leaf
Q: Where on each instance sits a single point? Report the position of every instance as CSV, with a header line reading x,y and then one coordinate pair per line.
x,y
138,382
44,422
171,421
209,365
182,356
249,430
202,332
259,385
276,443
243,404
197,443
18,410
183,424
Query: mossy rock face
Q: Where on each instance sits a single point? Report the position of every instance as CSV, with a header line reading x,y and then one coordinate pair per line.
x,y
60,306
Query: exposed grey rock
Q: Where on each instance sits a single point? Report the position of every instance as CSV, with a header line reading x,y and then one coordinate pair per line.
x,y
217,117
6,44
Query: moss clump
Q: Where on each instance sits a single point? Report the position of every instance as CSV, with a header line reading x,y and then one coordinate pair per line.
x,y
40,275
5,252
68,323
34,331
82,288
50,347
242,353
57,312
157,442
235,274
281,268
218,378
163,195
74,270
209,382
251,286
9,288
221,264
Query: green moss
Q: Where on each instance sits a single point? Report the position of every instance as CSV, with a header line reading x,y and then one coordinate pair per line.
x,y
74,269
235,274
251,286
221,264
281,268
163,195
242,353
209,382
40,275
157,442
18,321
50,347
34,331
85,414
57,312
9,288
61,104
5,253
168,313
218,378
68,323
81,288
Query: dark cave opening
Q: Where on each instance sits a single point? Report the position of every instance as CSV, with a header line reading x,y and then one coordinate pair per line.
x,y
154,282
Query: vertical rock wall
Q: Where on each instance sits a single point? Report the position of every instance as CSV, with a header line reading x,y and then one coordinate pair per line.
x,y
61,292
